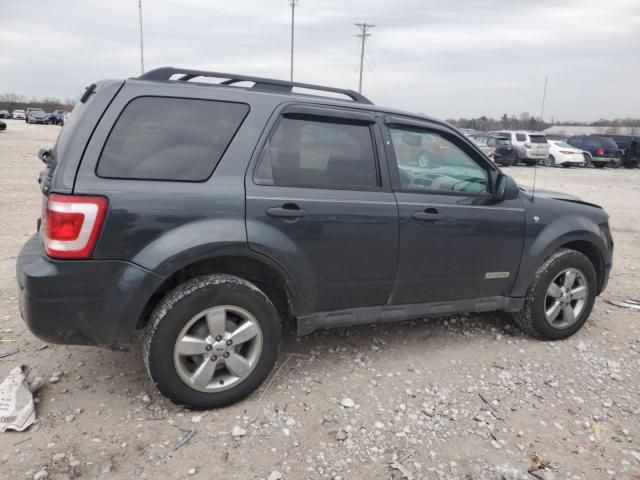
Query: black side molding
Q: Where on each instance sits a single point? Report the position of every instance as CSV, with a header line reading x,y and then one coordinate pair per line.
x,y
392,313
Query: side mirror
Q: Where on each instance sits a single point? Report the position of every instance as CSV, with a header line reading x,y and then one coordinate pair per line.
x,y
506,188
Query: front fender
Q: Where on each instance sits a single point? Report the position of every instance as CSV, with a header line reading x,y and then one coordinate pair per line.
x,y
559,232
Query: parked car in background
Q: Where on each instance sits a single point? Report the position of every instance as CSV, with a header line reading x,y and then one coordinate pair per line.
x,y
481,141
467,131
530,147
498,148
19,114
561,153
5,114
57,117
37,115
601,151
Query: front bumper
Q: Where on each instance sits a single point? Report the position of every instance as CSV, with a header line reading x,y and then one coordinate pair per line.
x,y
83,302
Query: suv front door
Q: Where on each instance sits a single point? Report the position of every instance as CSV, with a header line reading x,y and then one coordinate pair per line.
x,y
456,241
319,203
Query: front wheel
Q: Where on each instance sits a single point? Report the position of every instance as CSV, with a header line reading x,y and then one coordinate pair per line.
x,y
212,341
550,161
560,297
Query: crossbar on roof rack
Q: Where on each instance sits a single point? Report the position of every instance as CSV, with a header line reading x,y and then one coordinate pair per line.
x,y
269,84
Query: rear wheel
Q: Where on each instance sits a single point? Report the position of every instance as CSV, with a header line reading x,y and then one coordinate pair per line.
x,y
212,341
550,161
560,297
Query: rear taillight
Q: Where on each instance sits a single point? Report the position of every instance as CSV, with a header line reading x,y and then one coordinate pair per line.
x,y
600,151
71,225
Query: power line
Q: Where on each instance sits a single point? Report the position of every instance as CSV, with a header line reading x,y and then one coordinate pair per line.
x,y
364,29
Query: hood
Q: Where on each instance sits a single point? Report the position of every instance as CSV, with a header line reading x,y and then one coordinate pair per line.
x,y
564,197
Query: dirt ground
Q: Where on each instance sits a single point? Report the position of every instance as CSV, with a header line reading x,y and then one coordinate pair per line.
x,y
466,397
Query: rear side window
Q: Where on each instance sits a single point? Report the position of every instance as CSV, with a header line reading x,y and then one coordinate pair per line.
x,y
157,138
521,137
318,154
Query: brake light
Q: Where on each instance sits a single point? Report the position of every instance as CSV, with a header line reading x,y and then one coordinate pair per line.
x,y
71,225
600,151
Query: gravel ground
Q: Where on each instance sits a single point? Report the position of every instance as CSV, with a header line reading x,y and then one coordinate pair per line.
x,y
466,397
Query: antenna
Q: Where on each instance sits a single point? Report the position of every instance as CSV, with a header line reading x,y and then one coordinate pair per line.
x,y
535,166
141,39
293,4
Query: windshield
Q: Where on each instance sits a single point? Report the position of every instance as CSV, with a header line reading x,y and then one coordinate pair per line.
x,y
538,139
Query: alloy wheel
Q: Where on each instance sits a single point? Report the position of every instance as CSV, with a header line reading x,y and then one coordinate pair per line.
x,y
218,348
566,298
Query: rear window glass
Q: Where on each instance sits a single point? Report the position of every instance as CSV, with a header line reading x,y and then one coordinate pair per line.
x,y
600,142
538,139
521,137
181,139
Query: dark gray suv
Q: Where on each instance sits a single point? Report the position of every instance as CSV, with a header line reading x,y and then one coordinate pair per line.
x,y
213,214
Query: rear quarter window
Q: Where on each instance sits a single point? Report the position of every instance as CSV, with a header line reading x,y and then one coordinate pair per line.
x,y
521,137
158,138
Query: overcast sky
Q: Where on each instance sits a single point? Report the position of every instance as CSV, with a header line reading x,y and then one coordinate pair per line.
x,y
439,57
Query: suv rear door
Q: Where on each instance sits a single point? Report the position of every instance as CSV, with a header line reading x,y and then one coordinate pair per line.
x,y
319,203
456,241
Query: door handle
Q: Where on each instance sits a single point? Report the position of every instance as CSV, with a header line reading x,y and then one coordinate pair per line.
x,y
428,215
288,210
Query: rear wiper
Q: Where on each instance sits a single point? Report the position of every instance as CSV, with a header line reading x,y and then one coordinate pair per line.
x,y
47,157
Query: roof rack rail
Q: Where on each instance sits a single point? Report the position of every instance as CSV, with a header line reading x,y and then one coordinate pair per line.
x,y
264,84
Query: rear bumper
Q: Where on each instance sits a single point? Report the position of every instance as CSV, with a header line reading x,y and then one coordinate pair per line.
x,y
85,302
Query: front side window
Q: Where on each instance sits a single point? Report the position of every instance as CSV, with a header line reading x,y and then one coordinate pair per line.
x,y
317,154
521,137
429,161
158,138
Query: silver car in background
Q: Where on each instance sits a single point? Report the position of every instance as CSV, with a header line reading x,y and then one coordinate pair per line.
x,y
531,147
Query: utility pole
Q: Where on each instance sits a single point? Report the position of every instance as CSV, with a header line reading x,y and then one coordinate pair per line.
x,y
141,41
364,29
293,4
544,95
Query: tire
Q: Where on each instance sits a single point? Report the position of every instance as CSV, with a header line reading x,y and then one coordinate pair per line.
x,y
227,298
587,161
550,161
599,164
532,319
